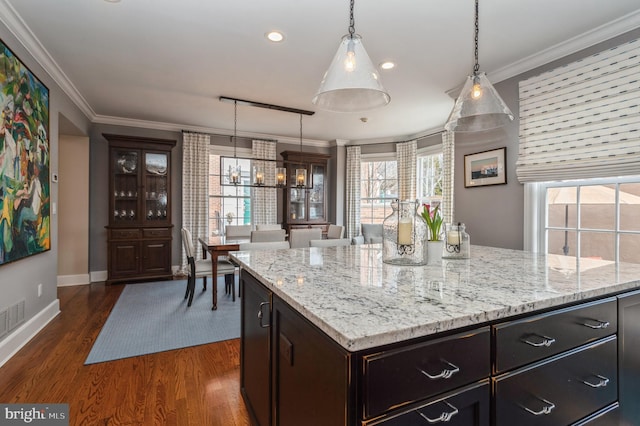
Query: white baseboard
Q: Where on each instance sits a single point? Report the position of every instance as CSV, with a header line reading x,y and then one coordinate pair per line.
x,y
67,280
98,276
23,334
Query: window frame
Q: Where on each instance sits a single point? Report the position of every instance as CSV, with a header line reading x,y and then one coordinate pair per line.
x,y
536,222
378,157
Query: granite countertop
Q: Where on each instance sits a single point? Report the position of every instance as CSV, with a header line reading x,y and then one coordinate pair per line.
x,y
361,302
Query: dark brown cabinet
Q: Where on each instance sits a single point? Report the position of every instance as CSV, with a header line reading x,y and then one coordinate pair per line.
x,y
305,207
629,357
139,230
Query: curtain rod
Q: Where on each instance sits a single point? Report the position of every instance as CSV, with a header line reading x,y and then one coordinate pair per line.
x,y
393,142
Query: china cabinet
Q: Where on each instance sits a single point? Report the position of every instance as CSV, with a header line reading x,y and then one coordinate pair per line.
x,y
139,230
305,206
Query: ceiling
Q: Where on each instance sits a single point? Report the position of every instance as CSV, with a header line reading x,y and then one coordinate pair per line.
x,y
164,64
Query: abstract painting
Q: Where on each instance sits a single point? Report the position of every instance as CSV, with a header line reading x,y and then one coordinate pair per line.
x,y
24,161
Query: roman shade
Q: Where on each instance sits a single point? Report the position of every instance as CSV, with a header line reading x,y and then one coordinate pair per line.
x,y
582,120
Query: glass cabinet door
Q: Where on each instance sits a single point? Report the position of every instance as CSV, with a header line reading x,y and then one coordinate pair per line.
x,y
316,193
297,207
125,186
155,200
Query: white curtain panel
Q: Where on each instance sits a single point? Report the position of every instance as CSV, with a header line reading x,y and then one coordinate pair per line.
x,y
195,187
448,169
407,170
582,120
353,191
264,201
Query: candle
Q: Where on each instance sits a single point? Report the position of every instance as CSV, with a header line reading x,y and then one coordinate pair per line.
x,y
280,178
260,178
405,229
453,238
234,177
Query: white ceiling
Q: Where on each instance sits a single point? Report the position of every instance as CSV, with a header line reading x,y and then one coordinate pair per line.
x,y
164,64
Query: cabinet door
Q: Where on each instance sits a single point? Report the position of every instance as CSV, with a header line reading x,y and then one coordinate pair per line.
x,y
125,256
156,188
629,356
255,371
316,194
125,166
297,205
156,257
311,373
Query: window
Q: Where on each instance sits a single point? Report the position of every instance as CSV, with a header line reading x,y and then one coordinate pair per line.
x,y
430,175
378,187
592,219
228,205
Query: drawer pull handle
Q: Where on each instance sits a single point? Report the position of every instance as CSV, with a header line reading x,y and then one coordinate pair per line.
x,y
598,325
545,410
546,341
261,315
445,374
601,383
444,417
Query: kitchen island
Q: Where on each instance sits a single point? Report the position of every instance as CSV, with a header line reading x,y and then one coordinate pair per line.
x,y
335,336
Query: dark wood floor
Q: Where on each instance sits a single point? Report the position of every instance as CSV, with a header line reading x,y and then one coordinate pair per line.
x,y
191,386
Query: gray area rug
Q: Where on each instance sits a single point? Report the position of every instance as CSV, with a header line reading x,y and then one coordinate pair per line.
x,y
154,317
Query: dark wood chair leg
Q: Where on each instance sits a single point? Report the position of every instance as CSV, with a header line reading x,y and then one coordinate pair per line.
x,y
204,283
191,283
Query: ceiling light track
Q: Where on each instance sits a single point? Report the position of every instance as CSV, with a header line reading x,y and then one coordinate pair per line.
x,y
266,106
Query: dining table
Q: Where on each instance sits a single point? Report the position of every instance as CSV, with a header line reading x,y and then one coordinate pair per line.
x,y
217,246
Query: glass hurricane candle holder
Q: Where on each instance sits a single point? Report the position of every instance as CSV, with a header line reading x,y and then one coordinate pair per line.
x,y
404,235
456,242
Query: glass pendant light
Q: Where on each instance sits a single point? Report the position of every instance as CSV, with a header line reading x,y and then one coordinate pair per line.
x,y
301,173
352,82
479,106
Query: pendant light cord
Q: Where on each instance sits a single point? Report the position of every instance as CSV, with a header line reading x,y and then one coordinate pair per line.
x,y
300,133
235,127
476,67
352,22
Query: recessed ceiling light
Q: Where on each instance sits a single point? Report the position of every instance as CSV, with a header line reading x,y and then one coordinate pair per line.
x,y
112,1
387,65
274,36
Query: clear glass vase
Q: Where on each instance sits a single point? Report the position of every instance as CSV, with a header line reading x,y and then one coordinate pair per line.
x,y
456,242
404,234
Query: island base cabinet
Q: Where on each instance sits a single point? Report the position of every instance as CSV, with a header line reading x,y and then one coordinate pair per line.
x,y
311,373
255,348
629,357
468,406
560,390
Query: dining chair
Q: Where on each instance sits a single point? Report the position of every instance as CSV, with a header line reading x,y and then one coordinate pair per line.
x,y
267,236
267,245
202,268
268,226
238,231
300,237
335,231
330,242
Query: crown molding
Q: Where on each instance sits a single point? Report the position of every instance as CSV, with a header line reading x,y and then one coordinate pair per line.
x,y
14,22
590,38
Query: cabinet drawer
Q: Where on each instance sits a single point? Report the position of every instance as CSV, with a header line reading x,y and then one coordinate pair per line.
x,y
560,390
156,232
125,234
534,338
468,406
405,375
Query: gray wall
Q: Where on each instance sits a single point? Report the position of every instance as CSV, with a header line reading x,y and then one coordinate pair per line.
x,y
19,280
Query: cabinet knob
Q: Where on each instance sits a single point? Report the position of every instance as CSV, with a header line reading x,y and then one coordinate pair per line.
x,y
444,374
444,417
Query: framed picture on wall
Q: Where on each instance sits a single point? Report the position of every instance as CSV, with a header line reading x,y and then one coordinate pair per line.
x,y
24,160
485,168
